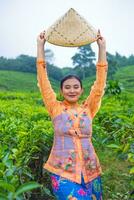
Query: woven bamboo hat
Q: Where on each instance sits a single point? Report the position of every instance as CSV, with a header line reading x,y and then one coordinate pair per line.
x,y
71,30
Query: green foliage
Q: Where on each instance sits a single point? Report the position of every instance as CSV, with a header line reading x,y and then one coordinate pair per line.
x,y
23,63
126,77
13,81
26,139
115,177
83,61
26,136
113,87
116,127
123,61
54,72
67,70
112,65
21,81
9,176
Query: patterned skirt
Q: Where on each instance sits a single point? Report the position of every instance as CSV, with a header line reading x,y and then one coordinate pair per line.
x,y
65,189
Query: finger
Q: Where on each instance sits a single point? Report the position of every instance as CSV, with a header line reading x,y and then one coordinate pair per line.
x,y
42,33
41,36
99,34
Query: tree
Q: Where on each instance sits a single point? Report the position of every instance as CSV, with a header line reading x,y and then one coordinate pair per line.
x,y
49,56
54,72
25,63
83,60
121,60
112,65
131,59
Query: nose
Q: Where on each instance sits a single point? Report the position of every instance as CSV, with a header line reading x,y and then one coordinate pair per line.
x,y
72,90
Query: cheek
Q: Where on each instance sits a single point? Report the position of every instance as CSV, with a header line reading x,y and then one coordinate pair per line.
x,y
64,92
79,92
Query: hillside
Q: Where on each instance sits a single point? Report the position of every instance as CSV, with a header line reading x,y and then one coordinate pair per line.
x,y
126,77
22,81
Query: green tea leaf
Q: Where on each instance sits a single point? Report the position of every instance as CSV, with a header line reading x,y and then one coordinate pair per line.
x,y
114,146
7,186
3,197
132,170
27,187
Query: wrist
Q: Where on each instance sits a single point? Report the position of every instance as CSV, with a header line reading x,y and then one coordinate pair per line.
x,y
102,47
102,51
40,45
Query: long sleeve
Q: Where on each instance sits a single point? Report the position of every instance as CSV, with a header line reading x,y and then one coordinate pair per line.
x,y
93,101
48,95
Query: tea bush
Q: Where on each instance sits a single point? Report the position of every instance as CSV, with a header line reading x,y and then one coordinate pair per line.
x,y
26,136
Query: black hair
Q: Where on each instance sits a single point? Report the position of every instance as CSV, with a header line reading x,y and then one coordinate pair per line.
x,y
69,77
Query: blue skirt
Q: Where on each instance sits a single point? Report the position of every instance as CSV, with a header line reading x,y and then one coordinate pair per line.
x,y
65,189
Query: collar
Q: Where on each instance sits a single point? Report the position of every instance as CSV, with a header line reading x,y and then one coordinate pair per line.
x,y
70,105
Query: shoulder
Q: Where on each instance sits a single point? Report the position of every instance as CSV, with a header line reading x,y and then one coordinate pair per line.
x,y
56,109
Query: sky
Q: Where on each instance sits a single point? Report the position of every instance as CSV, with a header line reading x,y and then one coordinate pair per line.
x,y
22,20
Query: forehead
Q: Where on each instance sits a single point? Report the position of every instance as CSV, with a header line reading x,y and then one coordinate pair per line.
x,y
71,81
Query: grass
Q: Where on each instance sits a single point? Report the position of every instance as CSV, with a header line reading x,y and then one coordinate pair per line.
x,y
125,76
20,81
15,81
25,82
115,176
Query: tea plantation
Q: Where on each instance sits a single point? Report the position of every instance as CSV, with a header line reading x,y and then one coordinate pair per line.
x,y
26,136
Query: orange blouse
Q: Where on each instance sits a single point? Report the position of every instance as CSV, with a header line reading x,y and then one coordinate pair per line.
x,y
72,151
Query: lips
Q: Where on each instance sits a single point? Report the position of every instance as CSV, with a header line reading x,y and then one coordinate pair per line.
x,y
72,96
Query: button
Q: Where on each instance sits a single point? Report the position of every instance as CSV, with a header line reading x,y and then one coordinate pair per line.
x,y
76,115
76,133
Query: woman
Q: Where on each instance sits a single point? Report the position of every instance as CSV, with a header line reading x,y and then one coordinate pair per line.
x,y
73,164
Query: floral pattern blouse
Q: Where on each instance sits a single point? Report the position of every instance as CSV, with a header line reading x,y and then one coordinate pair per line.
x,y
72,151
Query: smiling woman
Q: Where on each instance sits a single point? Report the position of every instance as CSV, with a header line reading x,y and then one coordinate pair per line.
x,y
71,88
73,164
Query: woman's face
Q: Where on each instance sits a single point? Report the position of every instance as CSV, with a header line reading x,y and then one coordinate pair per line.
x,y
71,90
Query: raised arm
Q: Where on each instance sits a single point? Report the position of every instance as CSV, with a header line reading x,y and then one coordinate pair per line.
x,y
48,95
93,101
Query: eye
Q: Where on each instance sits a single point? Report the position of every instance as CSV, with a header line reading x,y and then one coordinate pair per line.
x,y
67,87
76,86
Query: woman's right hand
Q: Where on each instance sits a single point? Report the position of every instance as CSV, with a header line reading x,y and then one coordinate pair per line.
x,y
41,39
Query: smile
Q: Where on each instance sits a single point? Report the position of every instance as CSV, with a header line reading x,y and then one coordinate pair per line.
x,y
72,96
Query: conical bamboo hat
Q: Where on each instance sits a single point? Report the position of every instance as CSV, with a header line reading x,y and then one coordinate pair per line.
x,y
71,30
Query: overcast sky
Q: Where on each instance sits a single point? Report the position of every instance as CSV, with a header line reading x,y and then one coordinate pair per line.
x,y
22,20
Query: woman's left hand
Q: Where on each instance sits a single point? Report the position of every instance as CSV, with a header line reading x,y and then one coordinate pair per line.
x,y
101,40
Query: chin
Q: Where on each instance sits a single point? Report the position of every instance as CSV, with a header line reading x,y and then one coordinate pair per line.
x,y
72,100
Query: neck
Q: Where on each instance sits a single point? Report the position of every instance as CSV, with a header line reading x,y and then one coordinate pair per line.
x,y
71,104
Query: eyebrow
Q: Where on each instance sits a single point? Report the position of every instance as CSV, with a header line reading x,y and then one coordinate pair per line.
x,y
73,85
